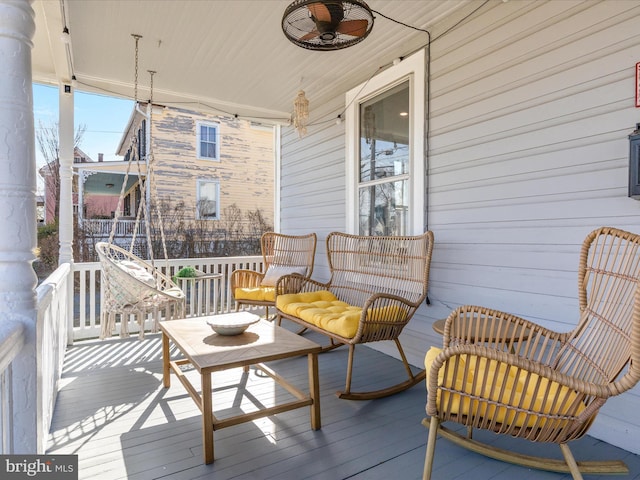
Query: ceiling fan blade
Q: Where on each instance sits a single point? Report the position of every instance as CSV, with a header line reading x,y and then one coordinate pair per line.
x,y
310,35
320,12
355,28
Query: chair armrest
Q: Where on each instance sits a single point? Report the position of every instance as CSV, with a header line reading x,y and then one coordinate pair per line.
x,y
383,317
500,330
245,279
478,371
296,283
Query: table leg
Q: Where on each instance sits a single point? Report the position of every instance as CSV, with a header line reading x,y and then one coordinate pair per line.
x,y
166,368
314,390
207,418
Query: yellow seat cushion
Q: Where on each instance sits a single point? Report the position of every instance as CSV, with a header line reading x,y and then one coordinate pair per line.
x,y
257,294
516,391
322,309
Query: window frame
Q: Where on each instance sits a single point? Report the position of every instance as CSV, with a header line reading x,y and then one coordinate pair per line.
x,y
199,154
199,183
413,69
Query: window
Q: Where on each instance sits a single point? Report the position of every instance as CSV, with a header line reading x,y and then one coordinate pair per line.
x,y
207,200
385,152
142,141
208,140
384,163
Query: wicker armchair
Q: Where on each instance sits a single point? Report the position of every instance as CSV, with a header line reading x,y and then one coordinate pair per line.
x,y
505,374
132,286
282,254
377,284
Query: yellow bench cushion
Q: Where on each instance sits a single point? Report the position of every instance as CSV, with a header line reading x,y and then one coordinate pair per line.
x,y
257,294
516,392
322,309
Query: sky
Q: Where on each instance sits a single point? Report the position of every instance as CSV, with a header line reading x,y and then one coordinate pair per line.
x,y
105,119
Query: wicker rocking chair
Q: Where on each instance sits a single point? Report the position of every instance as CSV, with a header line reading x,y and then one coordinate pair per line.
x,y
282,255
134,287
502,373
377,283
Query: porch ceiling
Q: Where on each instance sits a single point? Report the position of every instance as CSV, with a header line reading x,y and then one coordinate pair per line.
x,y
107,183
105,178
226,55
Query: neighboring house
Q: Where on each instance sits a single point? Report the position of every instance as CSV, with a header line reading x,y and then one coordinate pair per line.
x,y
99,186
51,179
203,164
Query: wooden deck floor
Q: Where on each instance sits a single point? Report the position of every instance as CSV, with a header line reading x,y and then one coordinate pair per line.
x,y
113,412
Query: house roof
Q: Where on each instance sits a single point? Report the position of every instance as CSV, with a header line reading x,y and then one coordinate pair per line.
x,y
223,56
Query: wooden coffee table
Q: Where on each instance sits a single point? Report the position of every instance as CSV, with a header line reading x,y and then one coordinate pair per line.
x,y
209,352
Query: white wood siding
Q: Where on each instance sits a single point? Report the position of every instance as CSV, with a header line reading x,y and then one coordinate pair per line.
x,y
532,103
312,188
531,106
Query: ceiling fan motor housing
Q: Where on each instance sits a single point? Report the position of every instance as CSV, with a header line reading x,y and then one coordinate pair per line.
x,y
327,24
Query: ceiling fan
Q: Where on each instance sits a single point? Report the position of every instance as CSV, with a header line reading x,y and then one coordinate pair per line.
x,y
327,24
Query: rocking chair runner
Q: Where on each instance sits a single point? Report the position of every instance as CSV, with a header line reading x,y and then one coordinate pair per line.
x,y
376,285
282,254
526,381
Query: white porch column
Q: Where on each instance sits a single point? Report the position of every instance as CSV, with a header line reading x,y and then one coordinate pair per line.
x,y
66,141
18,212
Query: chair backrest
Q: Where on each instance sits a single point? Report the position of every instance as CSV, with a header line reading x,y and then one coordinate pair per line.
x,y
362,266
282,250
129,279
606,341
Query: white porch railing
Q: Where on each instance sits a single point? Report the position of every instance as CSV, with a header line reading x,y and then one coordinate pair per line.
x,y
216,299
68,309
53,310
12,339
102,227
54,297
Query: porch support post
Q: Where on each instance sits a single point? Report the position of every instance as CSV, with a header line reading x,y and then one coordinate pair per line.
x,y
80,179
66,142
18,217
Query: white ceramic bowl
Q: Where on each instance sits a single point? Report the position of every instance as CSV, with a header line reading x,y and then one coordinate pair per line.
x,y
231,325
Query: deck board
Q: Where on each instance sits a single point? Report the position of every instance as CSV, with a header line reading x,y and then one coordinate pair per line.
x,y
113,412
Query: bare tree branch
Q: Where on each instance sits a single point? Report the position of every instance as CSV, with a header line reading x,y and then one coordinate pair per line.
x,y
47,138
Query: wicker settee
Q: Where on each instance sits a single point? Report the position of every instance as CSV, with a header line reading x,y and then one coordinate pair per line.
x,y
376,286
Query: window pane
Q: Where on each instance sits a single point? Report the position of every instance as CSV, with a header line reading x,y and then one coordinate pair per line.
x,y
207,201
207,150
384,208
384,134
208,141
210,135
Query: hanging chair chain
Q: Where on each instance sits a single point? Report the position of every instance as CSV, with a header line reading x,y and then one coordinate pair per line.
x,y
146,184
153,187
135,80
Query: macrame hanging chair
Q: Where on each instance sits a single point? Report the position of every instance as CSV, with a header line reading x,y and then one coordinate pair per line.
x,y
132,286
